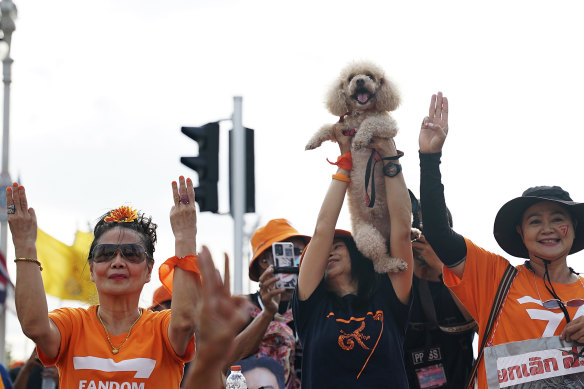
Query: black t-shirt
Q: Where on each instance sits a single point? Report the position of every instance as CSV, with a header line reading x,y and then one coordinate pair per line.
x,y
429,351
350,345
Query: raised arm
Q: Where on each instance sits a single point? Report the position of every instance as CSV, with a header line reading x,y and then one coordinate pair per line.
x,y
183,219
219,317
30,298
448,245
399,207
315,259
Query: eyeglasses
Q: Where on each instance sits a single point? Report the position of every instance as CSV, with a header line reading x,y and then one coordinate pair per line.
x,y
132,252
555,303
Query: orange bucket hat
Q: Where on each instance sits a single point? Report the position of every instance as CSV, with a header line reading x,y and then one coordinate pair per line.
x,y
275,230
160,295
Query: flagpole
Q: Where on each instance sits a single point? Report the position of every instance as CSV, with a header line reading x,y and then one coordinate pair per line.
x,y
8,14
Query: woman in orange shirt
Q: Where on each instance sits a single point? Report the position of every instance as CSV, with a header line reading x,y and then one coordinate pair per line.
x,y
543,226
115,342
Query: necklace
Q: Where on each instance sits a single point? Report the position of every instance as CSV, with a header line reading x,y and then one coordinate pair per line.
x,y
115,350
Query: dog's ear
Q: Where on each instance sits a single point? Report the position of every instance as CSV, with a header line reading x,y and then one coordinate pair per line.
x,y
335,100
388,98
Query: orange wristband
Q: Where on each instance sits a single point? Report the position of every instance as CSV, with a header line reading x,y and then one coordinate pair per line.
x,y
344,161
188,263
341,177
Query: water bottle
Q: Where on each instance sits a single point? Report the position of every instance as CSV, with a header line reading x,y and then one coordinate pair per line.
x,y
235,380
48,383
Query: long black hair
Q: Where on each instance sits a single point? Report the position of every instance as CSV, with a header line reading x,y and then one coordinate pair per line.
x,y
361,271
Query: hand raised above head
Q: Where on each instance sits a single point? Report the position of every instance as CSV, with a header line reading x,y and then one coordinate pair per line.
x,y
342,137
435,126
183,215
21,219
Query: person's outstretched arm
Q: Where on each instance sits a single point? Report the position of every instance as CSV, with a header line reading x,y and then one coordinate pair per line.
x,y
183,219
30,298
399,207
448,245
315,259
247,342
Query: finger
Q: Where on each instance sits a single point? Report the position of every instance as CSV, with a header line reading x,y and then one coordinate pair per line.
x,y
432,109
270,282
16,195
439,105
182,190
267,273
23,199
445,111
226,275
175,195
190,191
207,270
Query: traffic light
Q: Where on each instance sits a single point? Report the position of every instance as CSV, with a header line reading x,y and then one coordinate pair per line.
x,y
249,171
206,164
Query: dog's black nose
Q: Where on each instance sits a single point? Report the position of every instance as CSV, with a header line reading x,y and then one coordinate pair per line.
x,y
360,82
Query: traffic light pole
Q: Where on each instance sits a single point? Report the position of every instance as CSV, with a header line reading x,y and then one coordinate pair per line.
x,y
238,201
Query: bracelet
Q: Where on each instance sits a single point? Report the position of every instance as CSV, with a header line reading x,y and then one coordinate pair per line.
x,y
188,263
341,177
29,260
395,157
344,161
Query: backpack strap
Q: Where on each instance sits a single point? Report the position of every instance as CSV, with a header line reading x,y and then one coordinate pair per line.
x,y
500,297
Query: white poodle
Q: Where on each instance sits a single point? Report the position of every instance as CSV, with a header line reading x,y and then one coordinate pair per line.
x,y
362,97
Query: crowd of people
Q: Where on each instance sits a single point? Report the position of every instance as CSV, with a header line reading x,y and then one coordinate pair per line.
x,y
341,325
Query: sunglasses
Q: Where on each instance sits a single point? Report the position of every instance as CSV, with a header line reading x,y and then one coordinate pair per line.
x,y
132,252
555,303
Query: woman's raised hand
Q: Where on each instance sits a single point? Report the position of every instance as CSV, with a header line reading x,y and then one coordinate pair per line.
x,y
183,217
435,125
22,221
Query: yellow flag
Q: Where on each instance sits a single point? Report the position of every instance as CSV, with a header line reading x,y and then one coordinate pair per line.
x,y
65,268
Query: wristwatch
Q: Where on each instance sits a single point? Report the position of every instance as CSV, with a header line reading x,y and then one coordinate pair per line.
x,y
391,169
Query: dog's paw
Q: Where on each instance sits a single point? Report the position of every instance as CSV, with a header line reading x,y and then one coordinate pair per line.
x,y
313,144
360,142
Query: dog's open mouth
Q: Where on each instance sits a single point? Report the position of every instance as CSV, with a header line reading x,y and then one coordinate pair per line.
x,y
362,96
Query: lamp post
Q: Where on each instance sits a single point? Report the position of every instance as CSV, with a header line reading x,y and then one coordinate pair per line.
x,y
7,26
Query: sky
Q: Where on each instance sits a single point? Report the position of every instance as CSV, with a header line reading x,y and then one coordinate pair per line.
x,y
101,89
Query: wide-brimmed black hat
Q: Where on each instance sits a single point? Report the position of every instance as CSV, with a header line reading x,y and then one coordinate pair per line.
x,y
510,214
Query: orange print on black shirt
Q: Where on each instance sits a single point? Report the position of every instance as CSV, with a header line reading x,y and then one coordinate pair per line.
x,y
348,339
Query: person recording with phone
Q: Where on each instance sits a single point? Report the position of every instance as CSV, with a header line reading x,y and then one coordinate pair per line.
x,y
272,332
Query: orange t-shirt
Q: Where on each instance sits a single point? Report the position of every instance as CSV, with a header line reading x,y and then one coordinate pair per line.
x,y
522,315
85,359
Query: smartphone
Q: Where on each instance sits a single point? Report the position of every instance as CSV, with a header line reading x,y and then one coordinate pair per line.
x,y
284,266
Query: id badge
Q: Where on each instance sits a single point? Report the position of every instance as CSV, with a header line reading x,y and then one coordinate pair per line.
x,y
432,376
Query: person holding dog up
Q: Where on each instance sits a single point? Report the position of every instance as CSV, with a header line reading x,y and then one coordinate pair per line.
x,y
438,344
115,341
544,225
352,321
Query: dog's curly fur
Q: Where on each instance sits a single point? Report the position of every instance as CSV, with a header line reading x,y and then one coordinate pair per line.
x,y
363,97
